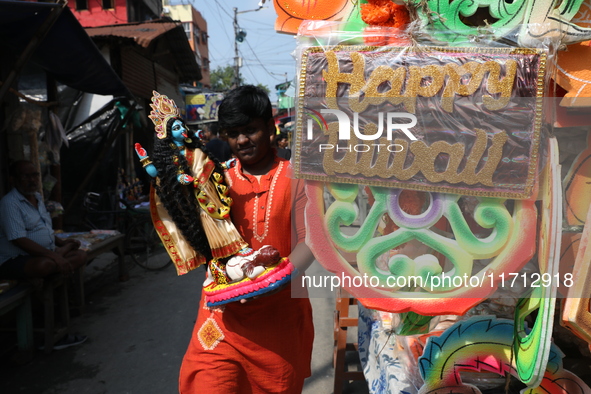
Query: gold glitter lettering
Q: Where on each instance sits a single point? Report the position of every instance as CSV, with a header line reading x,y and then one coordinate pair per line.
x,y
426,156
423,159
425,81
347,163
455,86
496,85
333,77
395,78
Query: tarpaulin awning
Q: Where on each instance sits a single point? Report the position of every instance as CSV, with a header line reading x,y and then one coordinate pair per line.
x,y
66,52
144,33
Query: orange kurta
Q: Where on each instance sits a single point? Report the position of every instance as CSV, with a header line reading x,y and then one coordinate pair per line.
x,y
264,345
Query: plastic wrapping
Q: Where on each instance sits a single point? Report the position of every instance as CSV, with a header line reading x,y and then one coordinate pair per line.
x,y
465,120
448,121
412,136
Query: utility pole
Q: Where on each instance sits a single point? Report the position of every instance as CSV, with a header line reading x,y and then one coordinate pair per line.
x,y
239,35
236,55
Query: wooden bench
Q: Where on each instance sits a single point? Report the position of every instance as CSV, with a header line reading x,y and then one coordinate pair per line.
x,y
55,288
19,298
115,244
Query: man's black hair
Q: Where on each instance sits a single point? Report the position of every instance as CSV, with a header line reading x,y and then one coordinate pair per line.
x,y
13,169
243,104
214,128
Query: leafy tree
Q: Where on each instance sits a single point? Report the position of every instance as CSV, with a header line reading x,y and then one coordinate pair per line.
x,y
264,87
222,79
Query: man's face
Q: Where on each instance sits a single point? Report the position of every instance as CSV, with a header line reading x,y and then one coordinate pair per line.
x,y
207,135
282,143
251,143
27,179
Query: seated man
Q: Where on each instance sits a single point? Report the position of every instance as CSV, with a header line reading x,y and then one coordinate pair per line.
x,y
28,247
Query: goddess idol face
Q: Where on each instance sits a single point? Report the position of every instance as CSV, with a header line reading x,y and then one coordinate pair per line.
x,y
178,132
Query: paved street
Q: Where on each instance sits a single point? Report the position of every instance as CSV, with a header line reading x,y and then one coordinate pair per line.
x,y
138,331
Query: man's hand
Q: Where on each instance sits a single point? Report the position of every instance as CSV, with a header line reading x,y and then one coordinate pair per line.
x,y
274,291
73,244
63,265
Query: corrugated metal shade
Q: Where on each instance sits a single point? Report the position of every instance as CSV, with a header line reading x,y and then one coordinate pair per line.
x,y
145,33
66,52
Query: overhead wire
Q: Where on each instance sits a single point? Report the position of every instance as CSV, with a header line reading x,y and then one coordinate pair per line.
x,y
254,77
262,65
223,10
217,14
219,17
222,57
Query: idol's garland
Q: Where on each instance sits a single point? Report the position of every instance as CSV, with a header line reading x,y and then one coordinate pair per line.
x,y
190,209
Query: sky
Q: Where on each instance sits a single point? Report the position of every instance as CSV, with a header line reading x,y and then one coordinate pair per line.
x,y
266,54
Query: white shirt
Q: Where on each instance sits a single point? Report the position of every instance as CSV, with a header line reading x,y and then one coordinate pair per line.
x,y
20,219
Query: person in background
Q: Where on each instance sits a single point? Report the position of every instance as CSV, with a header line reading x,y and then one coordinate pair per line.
x,y
28,247
218,147
281,144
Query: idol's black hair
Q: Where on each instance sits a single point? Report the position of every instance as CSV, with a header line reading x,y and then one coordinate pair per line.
x,y
179,200
243,104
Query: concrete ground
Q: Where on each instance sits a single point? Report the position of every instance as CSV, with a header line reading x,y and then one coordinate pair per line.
x,y
137,334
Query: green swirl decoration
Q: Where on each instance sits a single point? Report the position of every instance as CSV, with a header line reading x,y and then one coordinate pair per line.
x,y
490,213
443,18
459,250
344,212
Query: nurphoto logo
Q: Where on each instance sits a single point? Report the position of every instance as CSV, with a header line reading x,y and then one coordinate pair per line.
x,y
344,132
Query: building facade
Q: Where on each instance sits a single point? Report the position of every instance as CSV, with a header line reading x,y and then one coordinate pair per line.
x,y
196,30
92,13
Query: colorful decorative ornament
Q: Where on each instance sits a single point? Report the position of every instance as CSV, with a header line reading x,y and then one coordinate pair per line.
x,y
163,109
483,344
434,120
384,13
510,246
290,13
531,349
530,20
